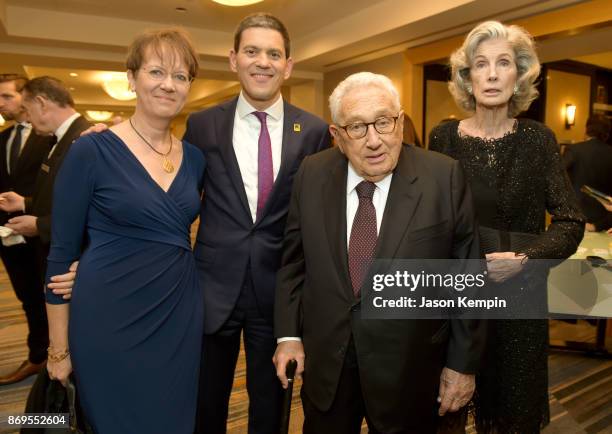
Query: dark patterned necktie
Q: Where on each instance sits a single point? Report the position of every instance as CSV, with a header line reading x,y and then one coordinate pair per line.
x,y
363,236
15,148
265,176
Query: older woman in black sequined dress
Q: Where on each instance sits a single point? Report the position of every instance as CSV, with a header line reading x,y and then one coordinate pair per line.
x,y
516,175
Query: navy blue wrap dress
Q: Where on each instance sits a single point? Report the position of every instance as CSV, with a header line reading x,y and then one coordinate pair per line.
x,y
136,321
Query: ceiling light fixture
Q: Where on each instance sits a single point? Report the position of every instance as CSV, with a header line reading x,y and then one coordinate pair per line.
x,y
237,2
73,74
116,85
98,116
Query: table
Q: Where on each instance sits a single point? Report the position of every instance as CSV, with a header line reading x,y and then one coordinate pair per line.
x,y
576,289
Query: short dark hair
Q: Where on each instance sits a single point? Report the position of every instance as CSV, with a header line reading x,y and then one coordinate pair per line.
x,y
49,87
598,126
265,21
175,38
19,80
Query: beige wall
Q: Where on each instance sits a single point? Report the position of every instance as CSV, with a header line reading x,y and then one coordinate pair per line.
x,y
563,88
391,66
309,97
440,105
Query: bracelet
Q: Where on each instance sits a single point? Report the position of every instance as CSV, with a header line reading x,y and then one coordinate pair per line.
x,y
57,357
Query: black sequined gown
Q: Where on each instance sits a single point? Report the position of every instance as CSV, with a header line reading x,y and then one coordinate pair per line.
x,y
514,180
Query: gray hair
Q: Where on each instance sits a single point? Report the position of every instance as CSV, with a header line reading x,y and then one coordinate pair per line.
x,y
527,65
360,79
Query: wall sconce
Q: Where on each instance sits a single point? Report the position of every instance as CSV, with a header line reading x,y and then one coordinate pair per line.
x,y
570,116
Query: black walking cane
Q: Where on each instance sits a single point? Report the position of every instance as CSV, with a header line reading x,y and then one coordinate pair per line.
x,y
286,414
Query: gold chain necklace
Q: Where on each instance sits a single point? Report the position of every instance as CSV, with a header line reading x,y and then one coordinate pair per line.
x,y
166,164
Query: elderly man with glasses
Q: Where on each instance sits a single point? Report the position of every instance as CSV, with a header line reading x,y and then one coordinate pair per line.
x,y
372,198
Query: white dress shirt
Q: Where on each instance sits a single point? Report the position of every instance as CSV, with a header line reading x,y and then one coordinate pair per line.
x,y
245,139
25,133
379,200
61,131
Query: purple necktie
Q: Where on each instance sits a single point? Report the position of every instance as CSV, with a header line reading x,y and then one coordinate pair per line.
x,y
363,236
265,175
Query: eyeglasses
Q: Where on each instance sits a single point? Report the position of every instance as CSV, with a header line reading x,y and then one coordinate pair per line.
x,y
382,125
160,74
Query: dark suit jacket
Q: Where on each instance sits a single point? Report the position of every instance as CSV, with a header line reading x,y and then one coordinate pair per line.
x,y
40,203
23,177
228,241
590,163
428,214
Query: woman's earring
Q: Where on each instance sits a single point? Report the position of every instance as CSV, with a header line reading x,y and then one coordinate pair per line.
x,y
516,89
469,89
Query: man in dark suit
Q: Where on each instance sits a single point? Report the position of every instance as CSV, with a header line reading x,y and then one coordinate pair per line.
x,y
21,153
51,110
372,198
253,146
590,163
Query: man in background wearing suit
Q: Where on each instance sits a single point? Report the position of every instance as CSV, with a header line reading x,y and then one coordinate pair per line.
x,y
590,163
50,108
372,198
254,144
21,154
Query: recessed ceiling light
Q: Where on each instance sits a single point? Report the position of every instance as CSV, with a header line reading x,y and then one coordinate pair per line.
x,y
180,9
73,74
237,2
71,88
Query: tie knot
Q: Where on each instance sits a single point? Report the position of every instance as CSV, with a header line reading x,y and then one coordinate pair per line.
x,y
52,139
365,189
20,127
261,116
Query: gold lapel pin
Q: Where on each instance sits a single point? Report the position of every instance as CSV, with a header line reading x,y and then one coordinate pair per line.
x,y
297,128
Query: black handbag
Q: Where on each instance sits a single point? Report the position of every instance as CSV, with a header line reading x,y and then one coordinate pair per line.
x,y
50,396
495,240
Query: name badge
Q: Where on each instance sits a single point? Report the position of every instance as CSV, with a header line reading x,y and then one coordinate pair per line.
x,y
44,167
297,128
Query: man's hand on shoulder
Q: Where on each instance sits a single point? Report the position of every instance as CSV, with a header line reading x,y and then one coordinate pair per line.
x,y
97,128
285,351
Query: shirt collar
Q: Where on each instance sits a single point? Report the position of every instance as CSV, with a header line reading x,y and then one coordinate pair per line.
x,y
353,179
25,125
244,108
61,130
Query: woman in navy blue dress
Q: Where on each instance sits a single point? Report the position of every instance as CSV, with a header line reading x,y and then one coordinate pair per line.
x,y
124,201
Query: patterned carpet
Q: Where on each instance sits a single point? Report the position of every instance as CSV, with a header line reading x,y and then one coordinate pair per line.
x,y
580,387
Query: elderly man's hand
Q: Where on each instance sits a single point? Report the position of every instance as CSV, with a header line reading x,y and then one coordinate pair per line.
x,y
285,351
23,225
501,266
97,128
456,390
11,202
62,284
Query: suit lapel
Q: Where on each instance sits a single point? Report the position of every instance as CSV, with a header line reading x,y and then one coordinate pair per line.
x,y
225,139
334,200
6,134
402,202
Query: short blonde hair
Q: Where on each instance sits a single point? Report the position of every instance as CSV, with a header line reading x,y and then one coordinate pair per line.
x,y
175,38
527,65
360,79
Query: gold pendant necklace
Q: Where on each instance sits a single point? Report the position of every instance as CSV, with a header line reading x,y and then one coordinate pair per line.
x,y
166,163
